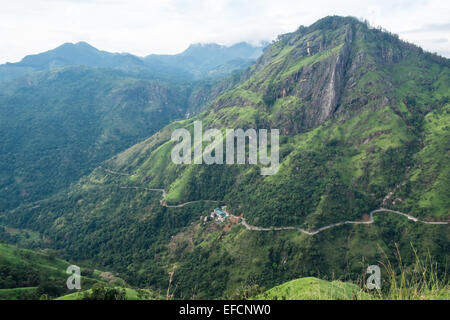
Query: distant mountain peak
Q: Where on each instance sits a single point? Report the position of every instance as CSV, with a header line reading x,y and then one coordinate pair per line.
x,y
84,44
81,45
215,46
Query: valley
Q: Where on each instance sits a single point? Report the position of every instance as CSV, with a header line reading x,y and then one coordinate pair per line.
x,y
255,228
363,177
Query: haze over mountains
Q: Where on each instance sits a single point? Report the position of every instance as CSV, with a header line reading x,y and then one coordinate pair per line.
x,y
364,124
196,62
66,110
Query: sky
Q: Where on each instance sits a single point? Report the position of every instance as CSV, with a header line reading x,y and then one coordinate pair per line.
x,y
142,27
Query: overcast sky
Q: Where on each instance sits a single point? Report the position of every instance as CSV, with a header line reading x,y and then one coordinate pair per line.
x,y
142,27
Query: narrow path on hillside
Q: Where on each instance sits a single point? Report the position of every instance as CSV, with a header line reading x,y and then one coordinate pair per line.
x,y
163,202
371,220
256,228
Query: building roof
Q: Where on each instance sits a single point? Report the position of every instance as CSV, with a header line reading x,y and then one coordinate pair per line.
x,y
218,211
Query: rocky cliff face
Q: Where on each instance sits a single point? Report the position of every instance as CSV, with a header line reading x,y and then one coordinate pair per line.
x,y
326,70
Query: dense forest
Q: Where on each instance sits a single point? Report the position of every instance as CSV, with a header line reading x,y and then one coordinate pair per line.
x,y
373,135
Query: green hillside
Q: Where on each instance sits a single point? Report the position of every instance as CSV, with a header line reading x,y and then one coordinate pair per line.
x,y
27,274
316,289
313,289
363,119
32,274
57,126
378,128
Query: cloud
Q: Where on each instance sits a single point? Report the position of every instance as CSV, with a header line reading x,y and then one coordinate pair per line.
x,y
437,27
142,27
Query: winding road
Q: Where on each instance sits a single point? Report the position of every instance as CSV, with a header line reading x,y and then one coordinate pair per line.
x,y
371,220
163,202
256,228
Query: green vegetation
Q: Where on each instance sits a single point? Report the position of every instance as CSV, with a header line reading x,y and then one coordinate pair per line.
x,y
100,292
75,106
19,293
27,274
313,289
420,281
363,119
67,122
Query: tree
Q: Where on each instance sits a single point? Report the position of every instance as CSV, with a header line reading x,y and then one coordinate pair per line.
x,y
100,292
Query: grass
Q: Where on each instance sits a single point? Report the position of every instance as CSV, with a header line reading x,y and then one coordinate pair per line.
x,y
420,281
13,256
16,293
312,59
130,294
311,288
40,264
417,282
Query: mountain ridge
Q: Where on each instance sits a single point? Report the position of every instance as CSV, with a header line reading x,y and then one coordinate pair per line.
x,y
83,54
363,121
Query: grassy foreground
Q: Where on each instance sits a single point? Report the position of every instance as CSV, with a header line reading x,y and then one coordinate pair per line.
x,y
398,282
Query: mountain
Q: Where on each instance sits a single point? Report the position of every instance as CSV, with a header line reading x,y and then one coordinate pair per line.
x,y
77,106
210,59
363,175
72,54
58,125
81,54
359,112
198,61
